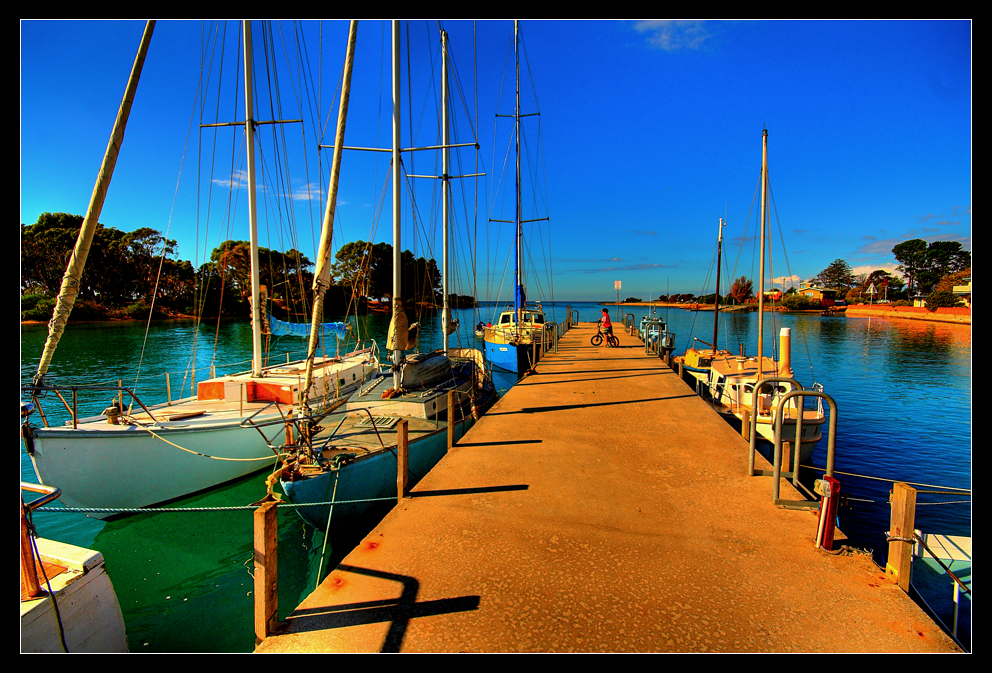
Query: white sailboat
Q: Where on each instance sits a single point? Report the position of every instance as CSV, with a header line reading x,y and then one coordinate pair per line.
x,y
510,343
696,362
732,379
349,461
133,455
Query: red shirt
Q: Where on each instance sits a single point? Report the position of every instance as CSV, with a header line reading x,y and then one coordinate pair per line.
x,y
606,321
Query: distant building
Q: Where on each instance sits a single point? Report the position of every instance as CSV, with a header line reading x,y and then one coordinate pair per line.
x,y
826,296
963,292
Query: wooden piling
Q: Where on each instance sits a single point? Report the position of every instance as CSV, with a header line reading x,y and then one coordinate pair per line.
x,y
901,528
451,419
402,459
266,571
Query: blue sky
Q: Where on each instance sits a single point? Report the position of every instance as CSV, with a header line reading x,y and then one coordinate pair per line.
x,y
651,132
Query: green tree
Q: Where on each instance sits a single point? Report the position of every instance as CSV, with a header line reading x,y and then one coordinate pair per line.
x,y
924,265
365,267
943,258
232,264
287,276
956,278
800,302
940,299
887,286
120,267
421,279
912,257
837,276
368,269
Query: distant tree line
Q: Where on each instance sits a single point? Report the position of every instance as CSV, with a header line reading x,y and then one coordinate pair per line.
x,y
930,270
125,271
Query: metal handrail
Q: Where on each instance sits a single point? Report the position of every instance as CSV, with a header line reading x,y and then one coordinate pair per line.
x,y
72,410
554,335
831,438
51,493
29,556
752,449
947,570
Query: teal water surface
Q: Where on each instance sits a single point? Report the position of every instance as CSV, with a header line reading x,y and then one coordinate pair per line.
x,y
903,390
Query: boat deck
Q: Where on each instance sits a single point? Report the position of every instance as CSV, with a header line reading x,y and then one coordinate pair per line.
x,y
355,433
600,506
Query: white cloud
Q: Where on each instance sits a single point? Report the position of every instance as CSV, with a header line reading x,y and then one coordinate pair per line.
x,y
673,35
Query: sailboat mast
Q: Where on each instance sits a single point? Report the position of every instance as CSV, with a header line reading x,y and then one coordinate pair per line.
x,y
445,187
256,304
716,301
74,271
764,215
322,276
518,302
397,257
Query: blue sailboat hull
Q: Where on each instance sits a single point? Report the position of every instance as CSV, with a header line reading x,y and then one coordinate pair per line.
x,y
365,483
507,357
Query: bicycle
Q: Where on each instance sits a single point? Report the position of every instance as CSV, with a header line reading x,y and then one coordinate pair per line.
x,y
611,339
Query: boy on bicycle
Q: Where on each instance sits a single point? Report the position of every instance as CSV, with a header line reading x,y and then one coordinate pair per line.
x,y
607,325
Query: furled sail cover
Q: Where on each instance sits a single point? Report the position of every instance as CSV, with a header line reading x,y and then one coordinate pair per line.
x,y
401,335
302,330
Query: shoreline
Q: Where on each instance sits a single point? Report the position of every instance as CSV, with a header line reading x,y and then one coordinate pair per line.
x,y
953,316
957,316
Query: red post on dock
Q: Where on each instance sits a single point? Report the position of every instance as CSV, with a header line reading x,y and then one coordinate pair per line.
x,y
29,571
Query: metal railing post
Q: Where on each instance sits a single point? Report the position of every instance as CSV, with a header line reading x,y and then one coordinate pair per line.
x,y
754,417
831,437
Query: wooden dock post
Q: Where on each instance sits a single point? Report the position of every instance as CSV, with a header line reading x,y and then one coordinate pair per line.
x,y
901,527
266,571
787,465
451,419
402,460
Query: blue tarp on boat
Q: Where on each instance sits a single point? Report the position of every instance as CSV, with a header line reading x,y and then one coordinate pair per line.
x,y
302,330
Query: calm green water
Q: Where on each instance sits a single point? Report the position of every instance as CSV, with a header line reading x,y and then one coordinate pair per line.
x,y
903,390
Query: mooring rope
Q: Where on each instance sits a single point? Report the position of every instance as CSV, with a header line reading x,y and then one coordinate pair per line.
x,y
197,453
139,510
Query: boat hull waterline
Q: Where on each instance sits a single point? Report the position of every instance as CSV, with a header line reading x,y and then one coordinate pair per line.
x,y
209,442
369,481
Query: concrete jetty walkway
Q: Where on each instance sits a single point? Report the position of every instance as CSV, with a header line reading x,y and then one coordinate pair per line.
x,y
601,506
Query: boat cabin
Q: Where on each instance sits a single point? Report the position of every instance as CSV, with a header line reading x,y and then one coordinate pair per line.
x,y
732,381
529,318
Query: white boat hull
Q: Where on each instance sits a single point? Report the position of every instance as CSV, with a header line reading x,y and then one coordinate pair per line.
x,y
89,616
128,467
208,441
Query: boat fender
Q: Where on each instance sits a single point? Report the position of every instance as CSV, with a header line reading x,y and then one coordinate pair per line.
x,y
113,413
28,437
341,460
